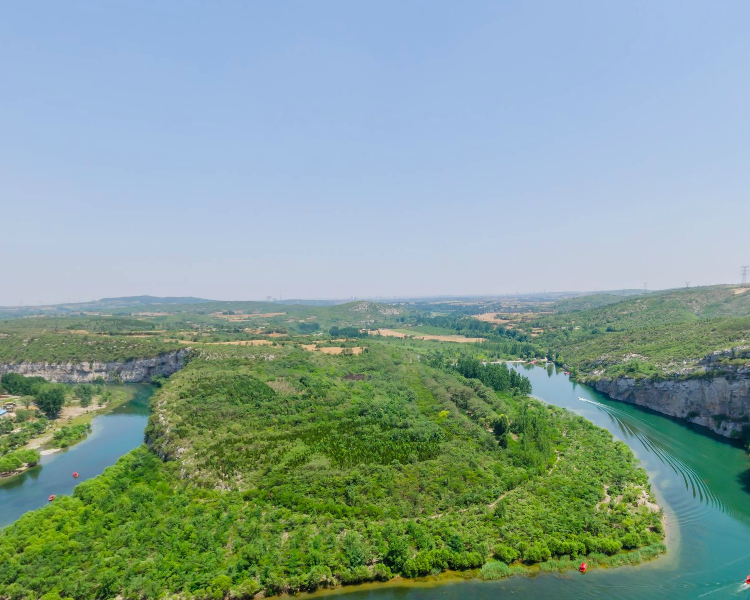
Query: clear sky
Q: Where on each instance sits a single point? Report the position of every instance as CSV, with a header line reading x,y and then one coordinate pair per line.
x,y
236,150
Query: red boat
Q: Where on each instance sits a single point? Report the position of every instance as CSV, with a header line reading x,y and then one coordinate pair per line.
x,y
583,567
51,498
747,580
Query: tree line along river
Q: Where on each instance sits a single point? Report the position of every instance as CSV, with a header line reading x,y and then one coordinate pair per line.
x,y
112,435
703,483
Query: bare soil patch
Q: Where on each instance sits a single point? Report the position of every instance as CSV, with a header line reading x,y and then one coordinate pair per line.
x,y
387,333
71,412
248,316
145,335
335,350
356,350
417,336
283,386
490,318
233,343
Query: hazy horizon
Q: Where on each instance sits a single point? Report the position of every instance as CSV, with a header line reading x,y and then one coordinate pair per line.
x,y
397,297
330,150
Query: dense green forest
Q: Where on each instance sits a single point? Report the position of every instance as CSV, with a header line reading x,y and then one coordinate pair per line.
x,y
653,335
630,332
473,328
295,470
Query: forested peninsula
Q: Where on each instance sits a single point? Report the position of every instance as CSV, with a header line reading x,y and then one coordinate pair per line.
x,y
281,469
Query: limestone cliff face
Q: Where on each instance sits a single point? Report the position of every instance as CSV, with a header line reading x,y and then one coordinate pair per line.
x,y
719,398
133,371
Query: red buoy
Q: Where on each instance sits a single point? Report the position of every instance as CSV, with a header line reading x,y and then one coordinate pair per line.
x,y
51,498
583,567
75,474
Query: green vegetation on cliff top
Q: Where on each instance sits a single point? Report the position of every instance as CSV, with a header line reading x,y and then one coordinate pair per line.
x,y
653,334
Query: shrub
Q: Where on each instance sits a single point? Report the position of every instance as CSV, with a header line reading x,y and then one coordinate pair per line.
x,y
506,554
417,566
536,552
495,569
466,560
381,572
319,576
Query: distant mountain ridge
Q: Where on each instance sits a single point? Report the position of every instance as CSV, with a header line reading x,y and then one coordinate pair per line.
x,y
104,304
134,300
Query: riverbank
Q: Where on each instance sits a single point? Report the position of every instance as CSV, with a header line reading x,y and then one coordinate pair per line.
x,y
484,574
114,433
73,416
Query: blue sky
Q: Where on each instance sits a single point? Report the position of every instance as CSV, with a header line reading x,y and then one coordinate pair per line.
x,y
236,150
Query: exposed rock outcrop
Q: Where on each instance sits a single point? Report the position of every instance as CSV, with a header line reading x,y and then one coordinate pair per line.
x,y
139,370
716,396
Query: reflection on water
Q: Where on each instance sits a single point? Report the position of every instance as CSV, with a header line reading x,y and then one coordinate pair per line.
x,y
112,435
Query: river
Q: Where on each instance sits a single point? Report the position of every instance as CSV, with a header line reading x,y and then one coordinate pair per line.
x,y
113,434
703,483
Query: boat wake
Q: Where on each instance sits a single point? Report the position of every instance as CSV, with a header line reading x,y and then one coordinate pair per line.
x,y
743,587
693,482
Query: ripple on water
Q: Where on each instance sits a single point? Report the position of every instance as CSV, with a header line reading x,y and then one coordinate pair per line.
x,y
632,427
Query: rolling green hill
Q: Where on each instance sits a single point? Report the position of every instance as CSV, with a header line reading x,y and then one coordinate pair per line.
x,y
147,331
660,332
302,470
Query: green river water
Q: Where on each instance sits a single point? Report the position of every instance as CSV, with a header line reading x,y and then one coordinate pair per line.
x,y
703,483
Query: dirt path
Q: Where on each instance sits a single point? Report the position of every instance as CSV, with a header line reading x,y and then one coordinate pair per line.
x,y
38,442
557,458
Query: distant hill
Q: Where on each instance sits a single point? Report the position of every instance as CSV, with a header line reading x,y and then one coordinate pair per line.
x,y
121,304
666,331
148,300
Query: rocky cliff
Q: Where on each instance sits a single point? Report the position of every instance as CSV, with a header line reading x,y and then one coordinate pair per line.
x,y
716,395
133,371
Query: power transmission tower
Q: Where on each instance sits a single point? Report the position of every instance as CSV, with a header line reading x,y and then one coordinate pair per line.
x,y
644,288
744,274
687,284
